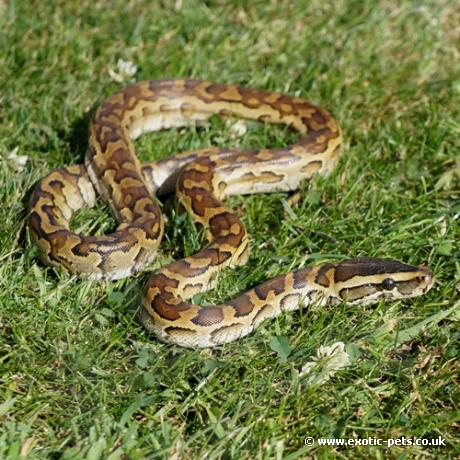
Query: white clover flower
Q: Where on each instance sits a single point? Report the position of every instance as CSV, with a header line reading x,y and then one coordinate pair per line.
x,y
18,161
124,71
238,129
328,360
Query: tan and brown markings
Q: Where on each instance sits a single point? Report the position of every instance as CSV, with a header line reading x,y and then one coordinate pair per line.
x,y
202,179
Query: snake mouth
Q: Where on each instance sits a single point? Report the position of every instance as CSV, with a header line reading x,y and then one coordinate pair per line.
x,y
428,281
418,285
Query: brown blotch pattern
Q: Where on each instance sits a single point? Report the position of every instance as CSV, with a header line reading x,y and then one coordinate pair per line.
x,y
300,278
276,285
322,278
243,305
208,316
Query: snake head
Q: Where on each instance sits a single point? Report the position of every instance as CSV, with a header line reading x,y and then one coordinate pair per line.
x,y
366,280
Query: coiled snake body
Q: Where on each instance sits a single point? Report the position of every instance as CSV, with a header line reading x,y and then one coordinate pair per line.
x,y
201,178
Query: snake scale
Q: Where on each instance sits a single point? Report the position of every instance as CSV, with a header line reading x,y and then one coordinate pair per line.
x,y
201,180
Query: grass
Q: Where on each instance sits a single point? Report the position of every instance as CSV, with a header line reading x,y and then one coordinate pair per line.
x,y
80,378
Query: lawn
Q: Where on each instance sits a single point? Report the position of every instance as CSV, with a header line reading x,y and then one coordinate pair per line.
x,y
80,378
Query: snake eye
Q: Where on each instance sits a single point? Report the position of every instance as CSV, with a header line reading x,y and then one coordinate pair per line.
x,y
388,284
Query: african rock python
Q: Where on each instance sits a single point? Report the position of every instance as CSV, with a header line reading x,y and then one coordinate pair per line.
x,y
201,178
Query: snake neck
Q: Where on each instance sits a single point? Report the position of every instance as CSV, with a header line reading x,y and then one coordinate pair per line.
x,y
175,320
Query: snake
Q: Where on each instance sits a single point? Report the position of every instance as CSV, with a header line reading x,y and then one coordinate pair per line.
x,y
201,179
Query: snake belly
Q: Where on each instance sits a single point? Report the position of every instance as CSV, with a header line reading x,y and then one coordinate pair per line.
x,y
201,179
